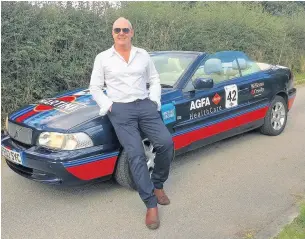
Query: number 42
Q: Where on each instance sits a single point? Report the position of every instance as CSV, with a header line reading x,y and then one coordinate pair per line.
x,y
231,96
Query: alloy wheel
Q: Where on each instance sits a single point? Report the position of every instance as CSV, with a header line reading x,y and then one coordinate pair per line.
x,y
278,115
150,155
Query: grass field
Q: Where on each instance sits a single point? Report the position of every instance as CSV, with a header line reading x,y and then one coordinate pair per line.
x,y
295,230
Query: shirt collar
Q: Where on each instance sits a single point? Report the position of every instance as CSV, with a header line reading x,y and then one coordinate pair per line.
x,y
133,50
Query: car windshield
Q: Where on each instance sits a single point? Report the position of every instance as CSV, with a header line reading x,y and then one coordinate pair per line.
x,y
171,66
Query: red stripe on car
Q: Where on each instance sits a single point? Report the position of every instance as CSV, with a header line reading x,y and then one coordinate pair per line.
x,y
25,116
186,139
93,170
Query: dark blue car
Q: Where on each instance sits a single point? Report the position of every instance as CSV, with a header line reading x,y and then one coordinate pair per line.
x,y
205,98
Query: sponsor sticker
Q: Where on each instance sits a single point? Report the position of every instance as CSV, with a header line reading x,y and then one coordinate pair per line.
x,y
202,107
257,91
257,85
64,106
216,99
200,103
168,112
257,88
231,96
205,112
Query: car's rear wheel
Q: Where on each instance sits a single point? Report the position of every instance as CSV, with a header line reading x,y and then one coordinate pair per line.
x,y
123,175
276,117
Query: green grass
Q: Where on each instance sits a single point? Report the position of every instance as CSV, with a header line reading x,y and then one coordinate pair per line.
x,y
299,78
295,230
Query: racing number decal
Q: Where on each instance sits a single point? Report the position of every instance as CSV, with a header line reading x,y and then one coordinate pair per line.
x,y
231,96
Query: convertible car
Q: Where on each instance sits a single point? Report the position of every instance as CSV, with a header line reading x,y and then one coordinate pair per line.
x,y
205,98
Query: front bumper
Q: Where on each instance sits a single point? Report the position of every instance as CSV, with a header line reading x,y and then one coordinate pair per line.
x,y
61,167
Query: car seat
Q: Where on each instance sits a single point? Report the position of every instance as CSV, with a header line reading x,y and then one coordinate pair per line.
x,y
213,69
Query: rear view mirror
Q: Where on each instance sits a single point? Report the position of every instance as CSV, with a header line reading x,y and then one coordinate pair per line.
x,y
203,83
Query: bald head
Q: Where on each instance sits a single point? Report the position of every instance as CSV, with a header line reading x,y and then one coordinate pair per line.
x,y
122,33
120,21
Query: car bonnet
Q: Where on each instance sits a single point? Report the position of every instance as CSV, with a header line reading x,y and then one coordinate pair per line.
x,y
61,112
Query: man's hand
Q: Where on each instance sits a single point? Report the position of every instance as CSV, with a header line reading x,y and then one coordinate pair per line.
x,y
110,108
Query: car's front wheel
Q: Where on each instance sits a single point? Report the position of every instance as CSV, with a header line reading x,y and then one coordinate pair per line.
x,y
123,175
276,117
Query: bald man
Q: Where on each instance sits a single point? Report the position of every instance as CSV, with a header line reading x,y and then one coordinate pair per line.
x,y
132,108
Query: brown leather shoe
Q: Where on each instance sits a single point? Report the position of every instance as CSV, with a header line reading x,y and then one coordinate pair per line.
x,y
152,218
161,196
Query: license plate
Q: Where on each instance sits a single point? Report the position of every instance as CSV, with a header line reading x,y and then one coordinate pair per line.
x,y
11,155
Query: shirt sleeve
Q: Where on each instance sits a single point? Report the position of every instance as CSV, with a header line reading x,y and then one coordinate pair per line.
x,y
96,86
154,83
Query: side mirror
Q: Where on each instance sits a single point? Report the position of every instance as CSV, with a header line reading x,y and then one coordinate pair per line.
x,y
203,83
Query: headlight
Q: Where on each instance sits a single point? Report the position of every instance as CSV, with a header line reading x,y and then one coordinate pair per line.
x,y
61,141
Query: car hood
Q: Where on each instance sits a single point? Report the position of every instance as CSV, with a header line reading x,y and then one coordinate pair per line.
x,y
62,112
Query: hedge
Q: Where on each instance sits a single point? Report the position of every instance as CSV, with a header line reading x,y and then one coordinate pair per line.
x,y
48,47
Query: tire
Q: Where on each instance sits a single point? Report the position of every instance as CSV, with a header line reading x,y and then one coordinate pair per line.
x,y
122,174
276,118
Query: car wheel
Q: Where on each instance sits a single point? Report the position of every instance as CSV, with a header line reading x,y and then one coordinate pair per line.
x,y
123,175
276,117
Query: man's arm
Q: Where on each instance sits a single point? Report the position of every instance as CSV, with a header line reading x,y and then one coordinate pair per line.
x,y
154,84
96,86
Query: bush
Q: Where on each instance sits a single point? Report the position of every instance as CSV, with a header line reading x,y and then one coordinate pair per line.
x,y
50,47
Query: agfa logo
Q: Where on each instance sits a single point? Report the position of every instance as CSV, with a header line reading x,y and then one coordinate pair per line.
x,y
197,104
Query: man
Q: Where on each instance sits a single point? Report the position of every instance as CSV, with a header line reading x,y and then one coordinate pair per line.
x,y
132,108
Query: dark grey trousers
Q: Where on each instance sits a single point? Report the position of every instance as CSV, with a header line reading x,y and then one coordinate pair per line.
x,y
128,119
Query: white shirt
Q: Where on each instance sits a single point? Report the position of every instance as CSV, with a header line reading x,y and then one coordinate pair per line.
x,y
126,82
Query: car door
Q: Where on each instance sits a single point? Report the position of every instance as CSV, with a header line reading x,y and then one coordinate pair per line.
x,y
208,115
196,113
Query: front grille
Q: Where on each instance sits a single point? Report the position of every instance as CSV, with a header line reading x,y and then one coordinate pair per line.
x,y
20,133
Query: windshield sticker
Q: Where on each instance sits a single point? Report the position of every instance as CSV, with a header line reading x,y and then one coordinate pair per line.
x,y
168,113
231,96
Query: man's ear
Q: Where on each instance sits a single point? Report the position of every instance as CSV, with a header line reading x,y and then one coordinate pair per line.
x,y
132,33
